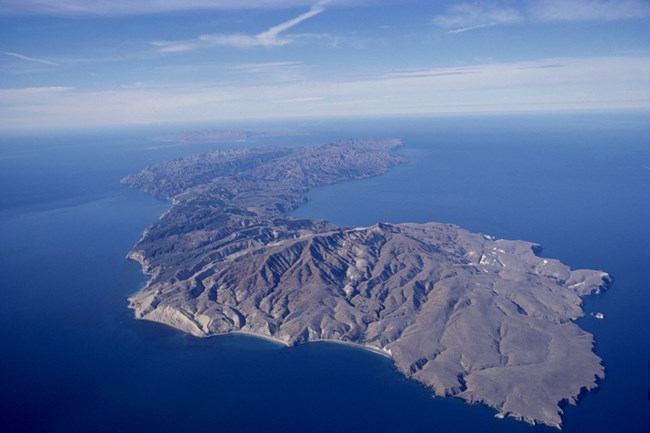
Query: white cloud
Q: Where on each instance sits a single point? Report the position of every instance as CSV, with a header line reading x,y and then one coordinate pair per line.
x,y
301,100
570,84
174,46
142,7
131,7
267,38
467,16
270,37
278,72
9,96
423,72
265,67
29,59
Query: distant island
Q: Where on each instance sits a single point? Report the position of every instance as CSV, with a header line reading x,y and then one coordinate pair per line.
x,y
464,314
216,136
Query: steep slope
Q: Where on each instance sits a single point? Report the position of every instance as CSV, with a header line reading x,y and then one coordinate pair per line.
x,y
467,315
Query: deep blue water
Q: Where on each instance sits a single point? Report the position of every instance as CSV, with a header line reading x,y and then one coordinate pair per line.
x,y
73,359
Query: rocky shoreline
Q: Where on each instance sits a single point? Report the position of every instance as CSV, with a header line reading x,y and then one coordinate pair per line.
x,y
464,314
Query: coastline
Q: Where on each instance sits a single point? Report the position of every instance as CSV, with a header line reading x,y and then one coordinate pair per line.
x,y
182,302
285,344
372,349
252,334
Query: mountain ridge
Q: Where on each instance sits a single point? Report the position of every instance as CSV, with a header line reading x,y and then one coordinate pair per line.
x,y
465,314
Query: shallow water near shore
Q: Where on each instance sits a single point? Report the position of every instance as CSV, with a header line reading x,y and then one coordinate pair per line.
x,y
74,360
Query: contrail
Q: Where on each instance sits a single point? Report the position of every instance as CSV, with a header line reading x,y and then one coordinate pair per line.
x,y
29,59
272,33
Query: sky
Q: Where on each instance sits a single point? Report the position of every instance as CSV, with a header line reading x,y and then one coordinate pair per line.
x,y
88,63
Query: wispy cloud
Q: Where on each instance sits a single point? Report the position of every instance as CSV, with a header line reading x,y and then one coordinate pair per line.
x,y
268,38
21,95
130,7
267,66
175,46
278,72
301,100
29,59
271,36
463,17
434,72
469,16
572,84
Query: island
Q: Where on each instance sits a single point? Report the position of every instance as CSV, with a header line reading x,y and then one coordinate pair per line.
x,y
465,314
221,136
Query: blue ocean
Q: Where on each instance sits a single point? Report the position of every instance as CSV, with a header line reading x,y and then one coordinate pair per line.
x,y
74,360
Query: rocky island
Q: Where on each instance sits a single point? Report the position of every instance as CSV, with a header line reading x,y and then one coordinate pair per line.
x,y
465,314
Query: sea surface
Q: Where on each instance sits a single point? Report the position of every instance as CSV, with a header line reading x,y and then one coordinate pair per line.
x,y
72,358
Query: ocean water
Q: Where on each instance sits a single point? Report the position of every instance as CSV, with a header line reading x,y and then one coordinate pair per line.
x,y
74,360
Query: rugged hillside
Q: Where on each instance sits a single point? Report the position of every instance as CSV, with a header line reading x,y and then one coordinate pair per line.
x,y
467,315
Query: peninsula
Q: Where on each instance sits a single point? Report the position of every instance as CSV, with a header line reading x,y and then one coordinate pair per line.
x,y
467,315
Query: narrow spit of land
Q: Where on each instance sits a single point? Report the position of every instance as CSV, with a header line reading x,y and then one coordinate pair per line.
x,y
465,314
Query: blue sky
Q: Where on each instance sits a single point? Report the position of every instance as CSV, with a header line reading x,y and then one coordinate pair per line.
x,y
81,63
